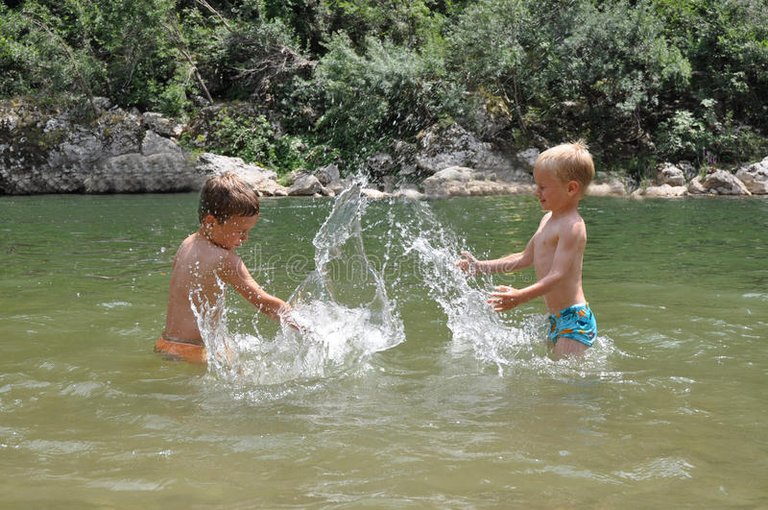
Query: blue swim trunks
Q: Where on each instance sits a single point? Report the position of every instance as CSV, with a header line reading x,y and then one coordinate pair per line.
x,y
576,322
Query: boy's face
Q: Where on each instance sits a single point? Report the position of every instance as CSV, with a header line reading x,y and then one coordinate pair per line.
x,y
552,192
231,233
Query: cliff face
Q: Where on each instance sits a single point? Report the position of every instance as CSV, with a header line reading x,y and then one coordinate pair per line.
x,y
46,149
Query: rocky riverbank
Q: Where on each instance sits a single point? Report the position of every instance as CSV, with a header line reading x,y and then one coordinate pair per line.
x,y
50,150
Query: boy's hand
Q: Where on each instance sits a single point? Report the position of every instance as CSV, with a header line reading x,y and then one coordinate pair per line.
x,y
505,298
287,319
467,263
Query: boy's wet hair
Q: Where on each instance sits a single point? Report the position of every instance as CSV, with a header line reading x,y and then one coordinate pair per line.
x,y
226,195
570,162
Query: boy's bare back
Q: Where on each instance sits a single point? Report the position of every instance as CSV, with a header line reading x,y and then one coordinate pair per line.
x,y
198,267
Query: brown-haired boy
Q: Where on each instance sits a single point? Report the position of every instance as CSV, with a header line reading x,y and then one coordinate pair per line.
x,y
556,251
206,260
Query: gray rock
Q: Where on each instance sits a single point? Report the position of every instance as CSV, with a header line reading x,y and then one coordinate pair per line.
x,y
162,125
462,181
262,179
374,194
45,151
613,187
721,182
441,148
755,177
661,191
306,185
156,144
445,182
667,173
529,156
330,177
695,186
688,169
409,194
209,163
137,173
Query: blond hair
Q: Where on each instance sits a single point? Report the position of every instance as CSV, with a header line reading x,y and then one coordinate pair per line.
x,y
226,195
570,162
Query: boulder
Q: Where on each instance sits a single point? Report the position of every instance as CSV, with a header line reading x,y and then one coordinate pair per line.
x,y
689,171
695,186
209,164
374,194
153,144
409,193
721,182
667,173
330,177
162,125
263,180
142,173
529,157
305,185
445,182
379,165
613,187
755,177
440,148
51,151
662,191
463,181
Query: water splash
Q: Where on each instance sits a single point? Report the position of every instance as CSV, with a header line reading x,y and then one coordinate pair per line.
x,y
347,310
473,323
342,311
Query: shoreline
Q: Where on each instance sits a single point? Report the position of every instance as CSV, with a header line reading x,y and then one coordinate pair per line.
x,y
124,152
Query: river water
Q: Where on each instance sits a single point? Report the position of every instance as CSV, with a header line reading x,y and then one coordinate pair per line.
x,y
404,390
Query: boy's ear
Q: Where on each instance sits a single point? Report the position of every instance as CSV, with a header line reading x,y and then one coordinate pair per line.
x,y
209,220
574,187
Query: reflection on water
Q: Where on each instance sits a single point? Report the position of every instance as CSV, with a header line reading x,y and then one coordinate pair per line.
x,y
404,391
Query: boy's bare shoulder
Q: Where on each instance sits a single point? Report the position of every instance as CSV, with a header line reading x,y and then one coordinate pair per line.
x,y
573,226
198,251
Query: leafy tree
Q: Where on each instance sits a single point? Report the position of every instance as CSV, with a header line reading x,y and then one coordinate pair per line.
x,y
367,99
406,23
640,79
570,69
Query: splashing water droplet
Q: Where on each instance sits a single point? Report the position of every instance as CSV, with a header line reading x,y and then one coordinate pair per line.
x,y
342,309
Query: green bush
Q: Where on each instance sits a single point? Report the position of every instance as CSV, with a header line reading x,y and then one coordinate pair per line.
x,y
35,56
594,71
240,131
704,138
365,100
639,79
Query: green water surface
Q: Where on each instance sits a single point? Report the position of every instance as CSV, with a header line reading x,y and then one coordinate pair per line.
x,y
669,411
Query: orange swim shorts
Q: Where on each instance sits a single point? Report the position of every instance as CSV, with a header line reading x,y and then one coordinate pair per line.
x,y
182,350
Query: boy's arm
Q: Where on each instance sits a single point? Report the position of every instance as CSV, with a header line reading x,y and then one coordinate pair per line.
x,y
238,276
512,262
570,247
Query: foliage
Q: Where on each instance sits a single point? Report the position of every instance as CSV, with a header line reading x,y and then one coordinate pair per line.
x,y
405,23
243,132
367,99
35,55
641,80
686,136
594,72
258,59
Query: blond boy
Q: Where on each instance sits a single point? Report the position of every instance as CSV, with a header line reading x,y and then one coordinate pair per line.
x,y
556,251
206,261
